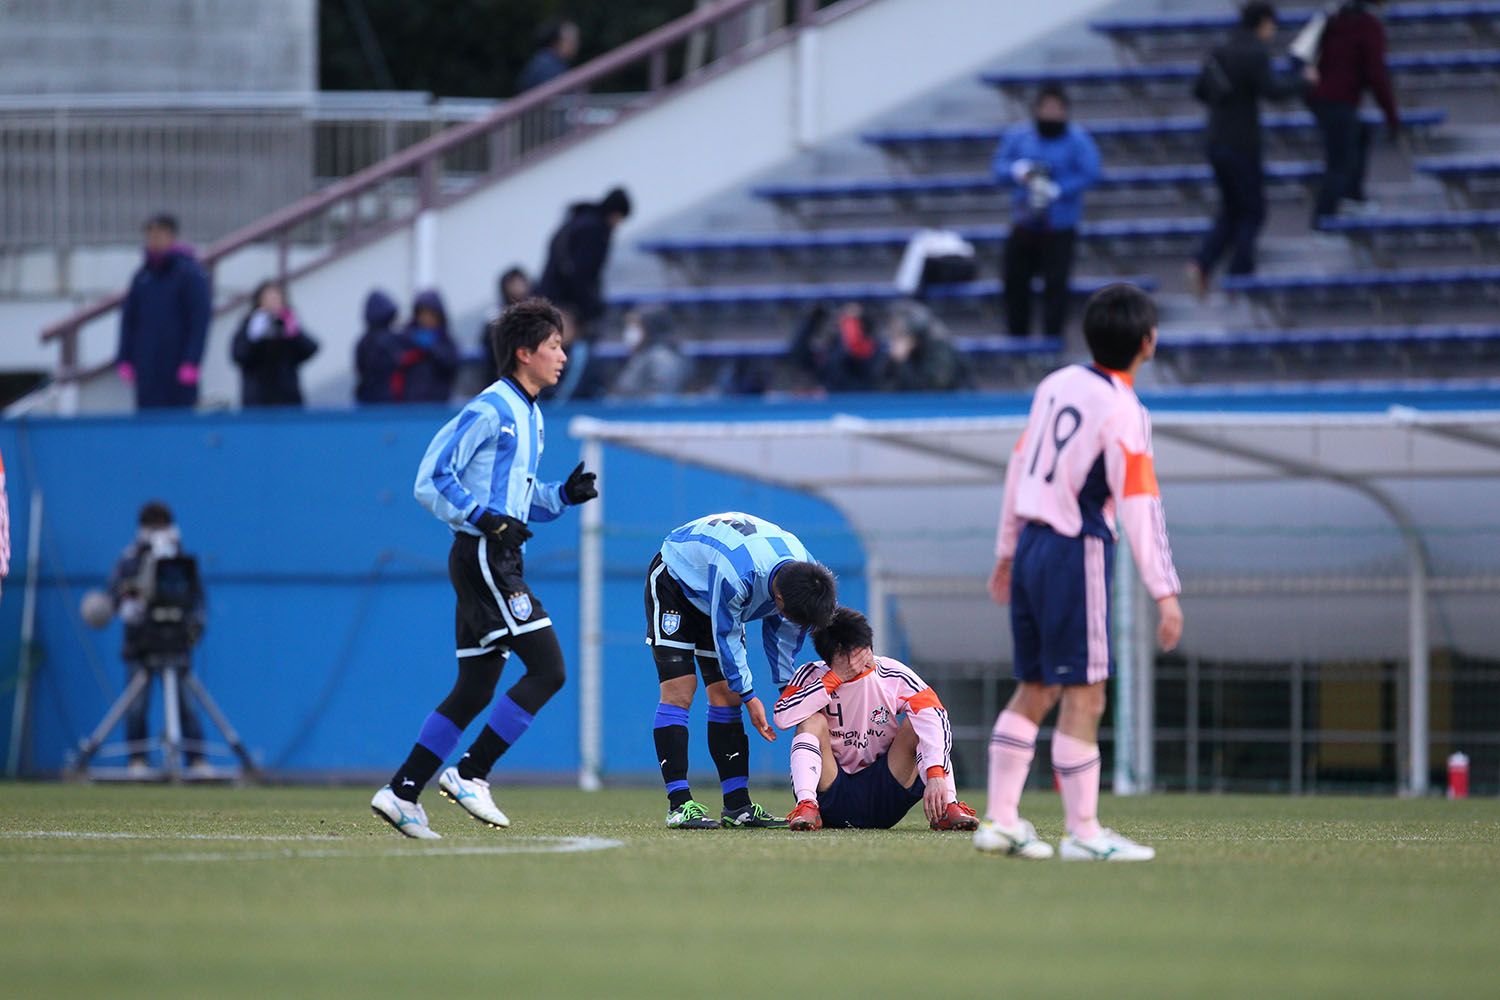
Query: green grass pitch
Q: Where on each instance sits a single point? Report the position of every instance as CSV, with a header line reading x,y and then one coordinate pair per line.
x,y
300,892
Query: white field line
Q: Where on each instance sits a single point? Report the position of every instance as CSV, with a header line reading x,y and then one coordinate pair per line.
x,y
514,845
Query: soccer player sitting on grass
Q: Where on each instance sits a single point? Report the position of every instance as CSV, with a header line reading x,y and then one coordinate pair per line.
x,y
853,763
711,577
1085,455
480,477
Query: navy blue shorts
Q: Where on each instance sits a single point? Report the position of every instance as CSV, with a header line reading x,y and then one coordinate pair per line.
x,y
1060,607
871,799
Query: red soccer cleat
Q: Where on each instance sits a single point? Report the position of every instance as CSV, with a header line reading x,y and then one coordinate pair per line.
x,y
807,817
958,816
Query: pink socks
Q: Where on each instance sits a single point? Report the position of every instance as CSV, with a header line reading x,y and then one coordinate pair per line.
x,y
1012,744
1077,766
807,767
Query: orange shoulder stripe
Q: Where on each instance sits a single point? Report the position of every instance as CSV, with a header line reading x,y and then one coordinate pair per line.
x,y
1140,474
925,698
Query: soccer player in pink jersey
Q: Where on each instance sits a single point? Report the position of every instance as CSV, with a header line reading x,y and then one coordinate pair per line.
x,y
1084,460
854,762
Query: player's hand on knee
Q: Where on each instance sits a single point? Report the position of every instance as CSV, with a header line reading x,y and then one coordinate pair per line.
x,y
507,531
758,719
1000,582
935,797
580,486
1170,630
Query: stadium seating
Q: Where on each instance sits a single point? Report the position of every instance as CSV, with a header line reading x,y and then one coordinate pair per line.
x,y
1183,73
1398,16
783,295
1479,223
1187,127
886,240
1446,278
1188,175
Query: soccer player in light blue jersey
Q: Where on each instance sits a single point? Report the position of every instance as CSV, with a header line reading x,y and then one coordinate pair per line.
x,y
479,476
711,577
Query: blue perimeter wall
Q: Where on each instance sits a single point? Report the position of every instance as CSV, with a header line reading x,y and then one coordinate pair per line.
x,y
330,619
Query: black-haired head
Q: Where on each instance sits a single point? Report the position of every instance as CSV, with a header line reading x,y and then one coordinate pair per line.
x,y
526,324
848,633
1117,320
616,202
806,593
1256,13
155,514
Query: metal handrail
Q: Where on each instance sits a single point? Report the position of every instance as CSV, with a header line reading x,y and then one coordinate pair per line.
x,y
425,156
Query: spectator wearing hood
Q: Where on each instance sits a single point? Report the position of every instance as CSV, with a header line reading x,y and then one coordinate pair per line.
x,y
920,355
571,280
513,286
269,346
164,321
427,358
378,350
656,366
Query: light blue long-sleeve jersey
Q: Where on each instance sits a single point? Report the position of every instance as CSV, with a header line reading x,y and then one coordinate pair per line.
x,y
724,563
485,459
1072,158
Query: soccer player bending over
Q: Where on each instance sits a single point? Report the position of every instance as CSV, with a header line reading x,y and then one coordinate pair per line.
x,y
853,764
1084,458
480,477
712,576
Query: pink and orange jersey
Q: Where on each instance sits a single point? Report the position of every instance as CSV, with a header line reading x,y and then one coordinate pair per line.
x,y
862,713
1085,457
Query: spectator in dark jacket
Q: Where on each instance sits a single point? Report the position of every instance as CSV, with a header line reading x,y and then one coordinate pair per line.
x,y
1350,62
571,280
1236,77
513,286
556,47
269,346
164,321
378,351
845,357
1047,164
920,355
427,358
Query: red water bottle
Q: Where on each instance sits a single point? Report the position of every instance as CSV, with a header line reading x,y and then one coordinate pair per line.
x,y
1458,776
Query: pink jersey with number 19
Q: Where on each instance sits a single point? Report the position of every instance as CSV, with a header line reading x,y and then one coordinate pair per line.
x,y
1084,457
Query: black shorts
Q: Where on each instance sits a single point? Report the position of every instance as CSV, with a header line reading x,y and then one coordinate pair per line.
x,y
871,799
494,603
676,631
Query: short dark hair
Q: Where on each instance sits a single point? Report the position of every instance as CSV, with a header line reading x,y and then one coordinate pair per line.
x,y
526,324
616,202
808,593
848,632
549,33
1053,91
1253,15
155,514
162,220
1117,320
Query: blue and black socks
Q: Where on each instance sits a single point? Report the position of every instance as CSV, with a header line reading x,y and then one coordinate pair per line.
x,y
436,741
506,724
730,747
670,731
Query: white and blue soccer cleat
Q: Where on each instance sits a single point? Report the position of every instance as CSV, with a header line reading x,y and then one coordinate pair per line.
x,y
1019,841
473,794
409,818
1108,846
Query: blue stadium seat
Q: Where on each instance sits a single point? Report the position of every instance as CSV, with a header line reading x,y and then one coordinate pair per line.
x,y
1405,63
1187,126
1175,175
1399,14
895,239
1413,222
1460,167
730,296
1284,340
1373,281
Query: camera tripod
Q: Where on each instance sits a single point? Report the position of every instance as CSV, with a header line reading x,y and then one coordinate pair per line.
x,y
174,670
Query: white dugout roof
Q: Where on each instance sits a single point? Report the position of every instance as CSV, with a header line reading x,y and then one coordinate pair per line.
x,y
1313,536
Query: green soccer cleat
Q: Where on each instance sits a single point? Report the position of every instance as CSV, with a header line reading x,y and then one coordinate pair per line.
x,y
751,816
690,816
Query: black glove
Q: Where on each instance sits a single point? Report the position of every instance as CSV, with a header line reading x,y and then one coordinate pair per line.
x,y
580,486
509,532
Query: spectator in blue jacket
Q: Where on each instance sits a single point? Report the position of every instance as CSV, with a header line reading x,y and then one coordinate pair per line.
x,y
376,353
1046,164
427,357
556,48
164,321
